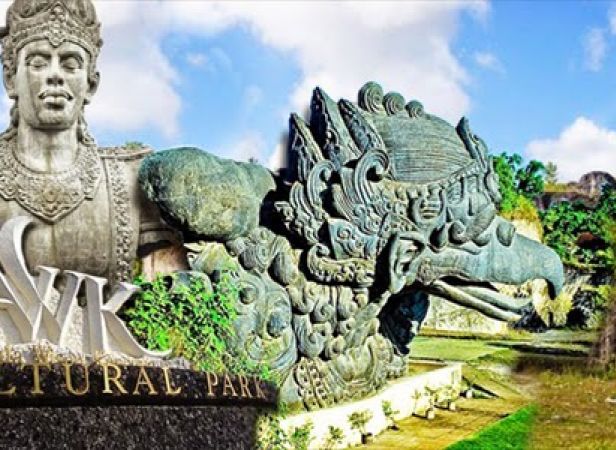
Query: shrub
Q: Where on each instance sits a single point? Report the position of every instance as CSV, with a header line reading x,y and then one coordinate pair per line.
x,y
335,436
190,317
389,413
300,437
359,419
270,435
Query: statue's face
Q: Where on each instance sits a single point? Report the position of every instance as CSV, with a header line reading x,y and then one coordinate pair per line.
x,y
51,84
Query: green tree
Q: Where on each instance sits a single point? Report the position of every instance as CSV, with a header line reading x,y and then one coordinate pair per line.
x,y
551,173
519,185
530,179
564,222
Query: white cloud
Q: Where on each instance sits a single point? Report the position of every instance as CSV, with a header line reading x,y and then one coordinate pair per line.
x,y
489,61
612,18
406,46
250,145
595,49
197,59
277,157
580,148
214,60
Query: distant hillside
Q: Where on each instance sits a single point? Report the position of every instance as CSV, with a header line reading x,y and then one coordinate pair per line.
x,y
587,190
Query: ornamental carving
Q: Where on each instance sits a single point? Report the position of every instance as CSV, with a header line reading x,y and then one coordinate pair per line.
x,y
382,204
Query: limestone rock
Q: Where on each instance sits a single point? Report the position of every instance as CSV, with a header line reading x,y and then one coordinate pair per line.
x,y
213,197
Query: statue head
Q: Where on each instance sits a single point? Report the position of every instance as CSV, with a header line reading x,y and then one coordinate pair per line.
x,y
49,57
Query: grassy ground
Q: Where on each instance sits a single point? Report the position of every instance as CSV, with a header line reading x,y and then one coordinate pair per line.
x,y
511,433
573,412
449,427
447,349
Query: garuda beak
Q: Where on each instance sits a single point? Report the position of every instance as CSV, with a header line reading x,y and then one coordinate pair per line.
x,y
463,275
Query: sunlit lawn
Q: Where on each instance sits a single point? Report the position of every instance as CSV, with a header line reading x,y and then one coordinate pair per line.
x,y
573,412
510,433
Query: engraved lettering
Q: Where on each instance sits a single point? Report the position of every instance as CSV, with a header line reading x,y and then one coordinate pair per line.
x,y
245,391
8,392
169,389
212,380
258,390
228,385
68,379
36,378
144,380
115,379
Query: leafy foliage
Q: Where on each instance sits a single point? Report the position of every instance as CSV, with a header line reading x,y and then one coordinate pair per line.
x,y
300,437
359,419
271,436
551,173
564,222
389,412
520,185
192,318
335,436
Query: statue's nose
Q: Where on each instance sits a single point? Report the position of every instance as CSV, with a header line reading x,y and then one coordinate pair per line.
x,y
55,77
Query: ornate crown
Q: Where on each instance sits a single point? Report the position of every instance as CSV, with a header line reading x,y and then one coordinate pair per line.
x,y
57,21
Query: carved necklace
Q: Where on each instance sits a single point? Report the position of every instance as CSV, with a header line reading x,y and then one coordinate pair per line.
x,y
49,195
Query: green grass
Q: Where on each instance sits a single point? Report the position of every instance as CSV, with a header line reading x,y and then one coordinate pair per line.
x,y
446,349
511,433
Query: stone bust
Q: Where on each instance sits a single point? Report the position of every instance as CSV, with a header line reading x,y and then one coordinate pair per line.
x,y
89,212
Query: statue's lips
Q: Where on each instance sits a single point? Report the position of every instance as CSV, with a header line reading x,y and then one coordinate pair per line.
x,y
55,98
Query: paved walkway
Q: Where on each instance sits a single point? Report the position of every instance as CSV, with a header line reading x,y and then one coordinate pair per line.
x,y
448,427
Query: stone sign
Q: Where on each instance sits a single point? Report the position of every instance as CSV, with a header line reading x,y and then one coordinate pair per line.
x,y
107,383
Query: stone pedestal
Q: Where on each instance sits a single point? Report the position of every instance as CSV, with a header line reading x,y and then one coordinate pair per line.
x,y
413,394
101,404
129,427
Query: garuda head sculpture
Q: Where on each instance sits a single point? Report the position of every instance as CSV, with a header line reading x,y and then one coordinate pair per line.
x,y
381,204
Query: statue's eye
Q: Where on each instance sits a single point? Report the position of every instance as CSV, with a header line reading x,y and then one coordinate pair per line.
x,y
71,64
37,62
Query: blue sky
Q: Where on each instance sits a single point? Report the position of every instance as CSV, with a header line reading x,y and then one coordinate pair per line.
x,y
538,78
545,78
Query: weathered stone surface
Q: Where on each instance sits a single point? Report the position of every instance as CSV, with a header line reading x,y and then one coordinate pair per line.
x,y
216,198
381,205
587,191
